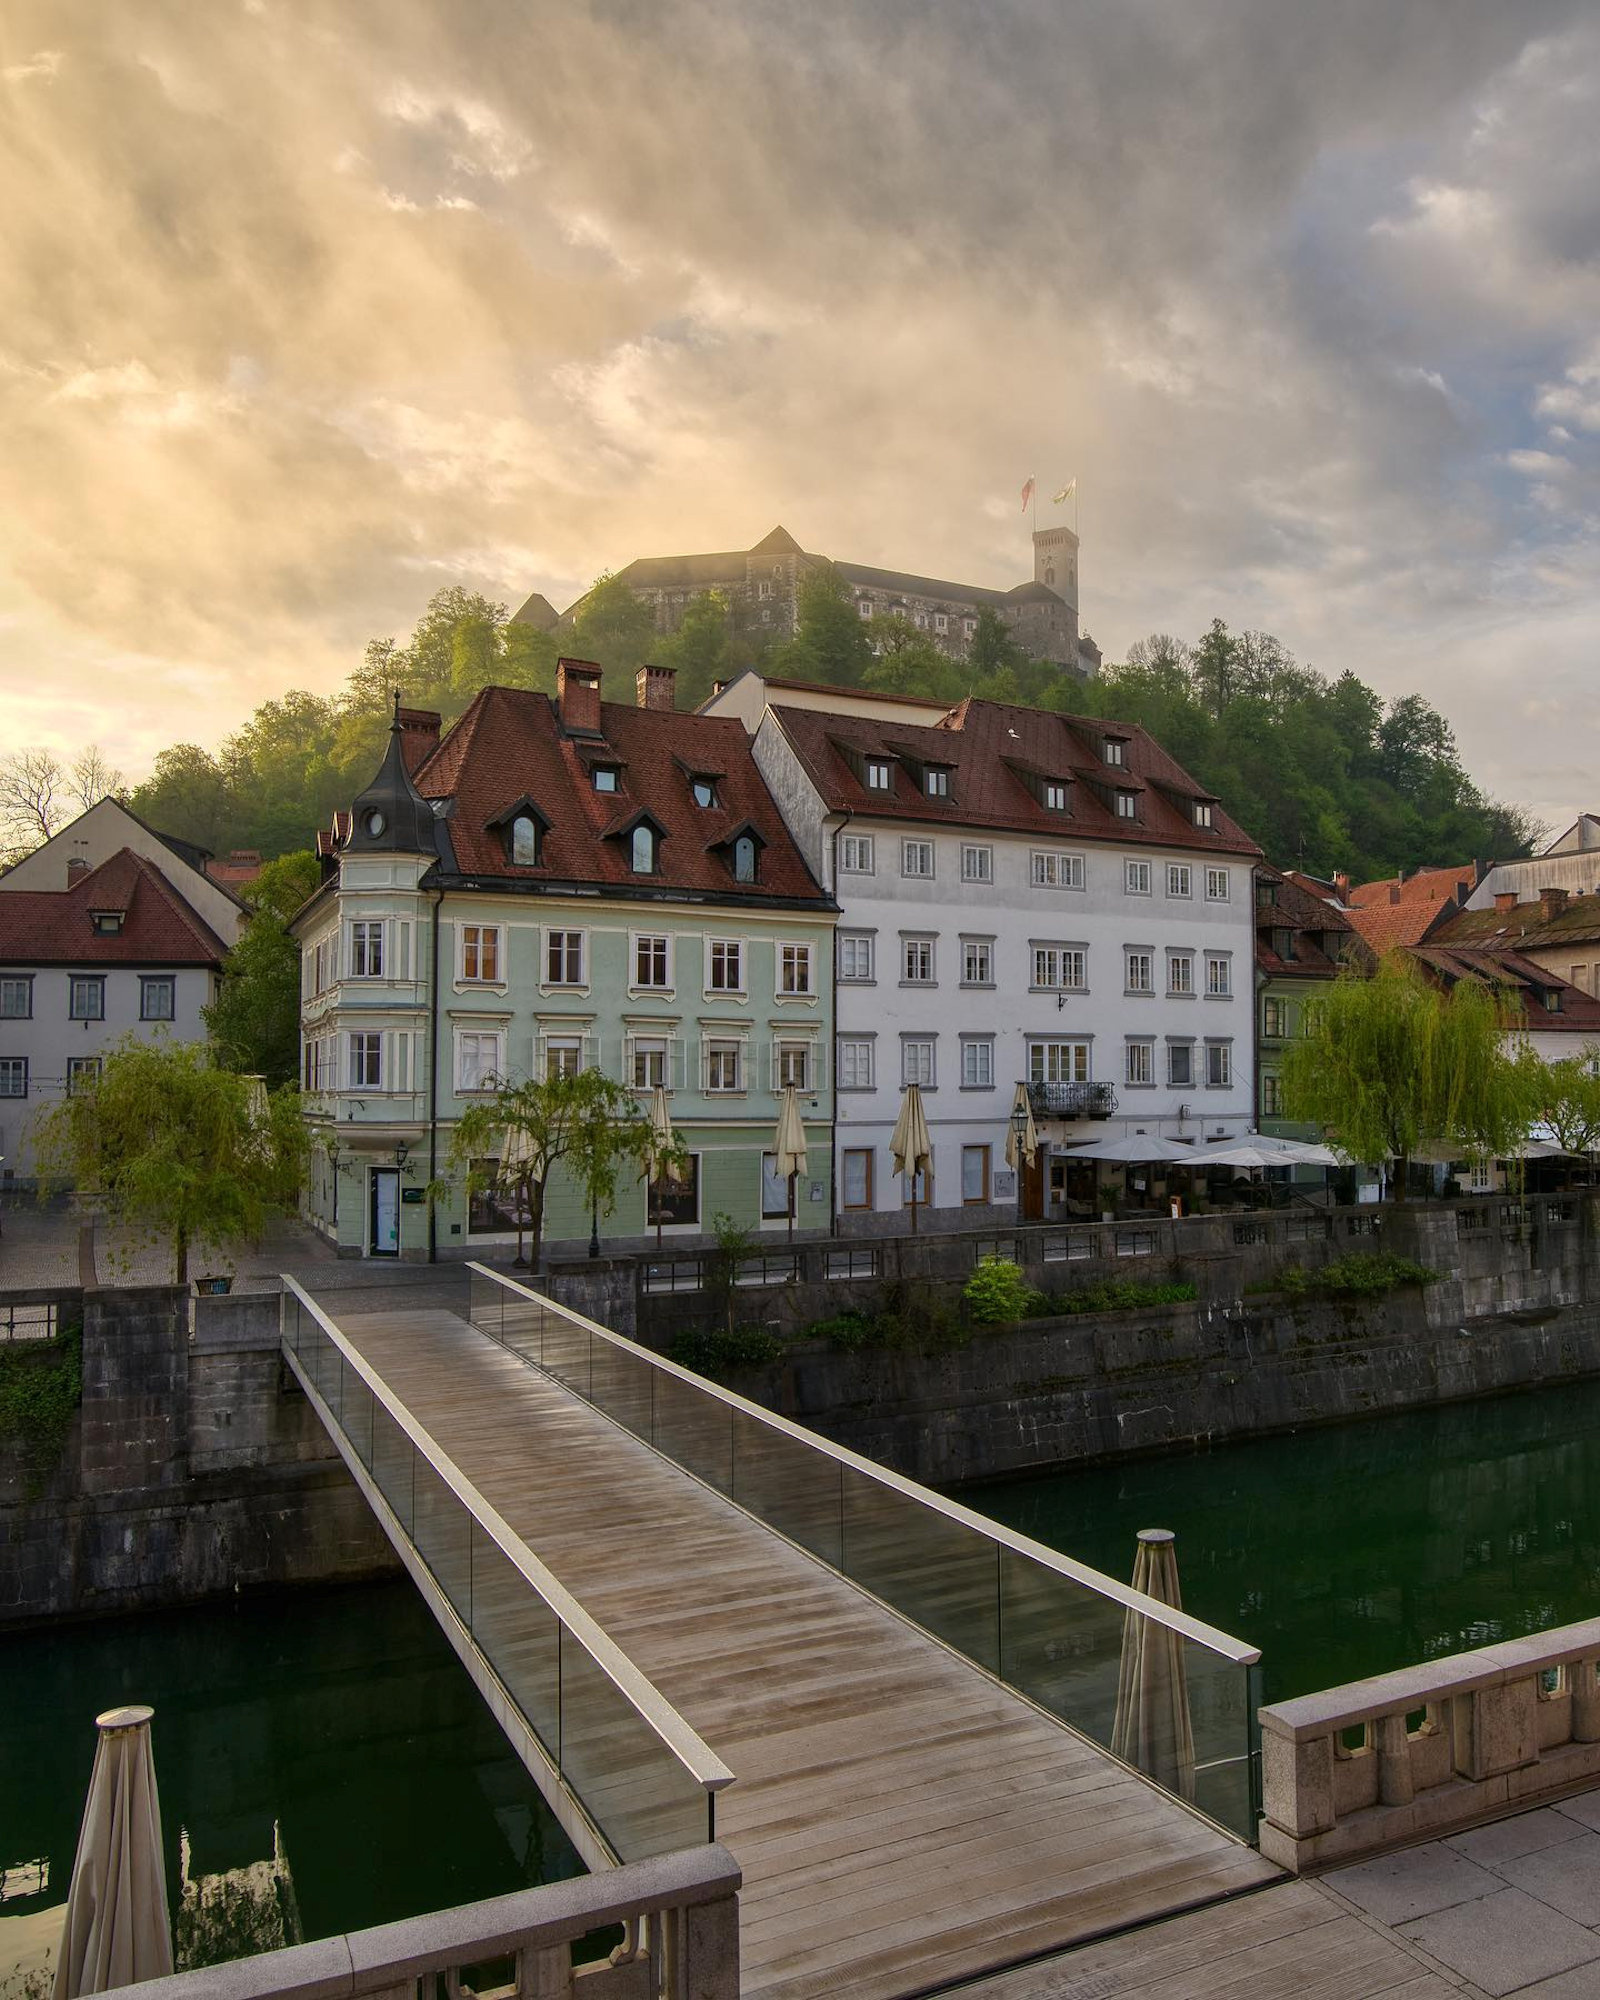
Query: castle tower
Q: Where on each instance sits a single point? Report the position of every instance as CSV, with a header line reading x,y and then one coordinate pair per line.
x,y
1055,562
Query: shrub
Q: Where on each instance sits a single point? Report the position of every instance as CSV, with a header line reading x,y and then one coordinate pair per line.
x,y
41,1386
714,1351
849,1330
1117,1294
997,1292
1366,1272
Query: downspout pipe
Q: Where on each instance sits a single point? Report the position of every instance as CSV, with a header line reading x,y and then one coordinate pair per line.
x,y
433,1080
833,996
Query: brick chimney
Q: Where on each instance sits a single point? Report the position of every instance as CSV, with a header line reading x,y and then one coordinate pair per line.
x,y
578,696
656,687
1341,884
1505,901
419,734
1551,903
77,868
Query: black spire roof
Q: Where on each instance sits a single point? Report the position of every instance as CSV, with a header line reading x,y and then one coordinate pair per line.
x,y
391,816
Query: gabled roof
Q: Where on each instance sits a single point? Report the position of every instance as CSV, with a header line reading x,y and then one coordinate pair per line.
x,y
509,745
779,543
1577,1014
1312,922
979,741
536,610
1525,927
1426,885
54,927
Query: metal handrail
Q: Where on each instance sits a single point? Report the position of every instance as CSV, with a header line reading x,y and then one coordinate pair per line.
x,y
1216,1641
652,1707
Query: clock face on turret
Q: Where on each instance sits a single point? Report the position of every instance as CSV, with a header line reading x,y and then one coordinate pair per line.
x,y
374,822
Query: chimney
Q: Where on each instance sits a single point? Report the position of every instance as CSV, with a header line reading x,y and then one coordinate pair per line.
x,y
77,868
578,696
1551,903
1341,884
655,687
1394,892
419,734
717,687
1505,901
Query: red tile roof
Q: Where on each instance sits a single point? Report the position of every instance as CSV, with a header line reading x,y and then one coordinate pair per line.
x,y
1310,920
1578,1013
1427,885
1388,926
987,747
1403,910
509,745
54,927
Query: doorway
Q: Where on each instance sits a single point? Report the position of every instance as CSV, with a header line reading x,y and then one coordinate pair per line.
x,y
1033,1185
384,1237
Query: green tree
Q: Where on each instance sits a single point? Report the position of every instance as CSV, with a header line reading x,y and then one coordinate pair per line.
x,y
1393,1064
187,795
701,651
254,1022
906,661
993,650
830,640
614,628
176,1147
585,1124
1569,1102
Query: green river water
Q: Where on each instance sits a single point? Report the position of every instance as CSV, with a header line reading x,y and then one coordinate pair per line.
x,y
1347,1551
337,1721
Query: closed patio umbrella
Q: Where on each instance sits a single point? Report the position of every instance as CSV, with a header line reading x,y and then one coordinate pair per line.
x,y
117,1929
661,1163
518,1158
909,1145
1152,1729
790,1145
1022,1135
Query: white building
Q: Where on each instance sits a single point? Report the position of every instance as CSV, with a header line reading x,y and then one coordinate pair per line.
x,y
1023,897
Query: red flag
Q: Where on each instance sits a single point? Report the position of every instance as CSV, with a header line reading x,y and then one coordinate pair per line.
x,y
1027,495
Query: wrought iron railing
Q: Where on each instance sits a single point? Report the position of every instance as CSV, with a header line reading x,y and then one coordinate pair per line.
x,y
1072,1100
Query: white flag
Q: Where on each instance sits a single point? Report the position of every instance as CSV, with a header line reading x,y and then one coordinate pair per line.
x,y
1060,499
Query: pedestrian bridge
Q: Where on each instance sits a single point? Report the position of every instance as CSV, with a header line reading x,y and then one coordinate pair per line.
x,y
697,1621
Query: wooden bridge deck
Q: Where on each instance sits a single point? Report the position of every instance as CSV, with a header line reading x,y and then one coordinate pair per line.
x,y
902,1820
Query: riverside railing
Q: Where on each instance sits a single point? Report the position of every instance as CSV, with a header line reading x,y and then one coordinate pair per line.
x,y
1053,1629
642,1777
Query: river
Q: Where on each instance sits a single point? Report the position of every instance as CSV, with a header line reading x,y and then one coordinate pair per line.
x,y
1351,1550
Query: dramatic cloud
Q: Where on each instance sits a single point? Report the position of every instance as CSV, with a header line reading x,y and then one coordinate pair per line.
x,y
311,308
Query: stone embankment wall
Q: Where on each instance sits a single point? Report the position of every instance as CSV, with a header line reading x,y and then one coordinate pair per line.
x,y
195,1467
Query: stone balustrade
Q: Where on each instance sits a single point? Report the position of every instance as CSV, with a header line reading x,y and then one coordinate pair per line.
x,y
1426,1751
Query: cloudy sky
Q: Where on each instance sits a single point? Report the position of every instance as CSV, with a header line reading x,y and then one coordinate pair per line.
x,y
308,309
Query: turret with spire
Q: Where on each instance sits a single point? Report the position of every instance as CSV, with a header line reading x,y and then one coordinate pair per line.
x,y
391,816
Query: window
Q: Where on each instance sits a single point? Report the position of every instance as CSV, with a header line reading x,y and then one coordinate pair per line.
x,y
855,854
1058,1062
916,1060
1125,805
1202,812
703,791
1113,750
366,1061
606,777
977,864
1136,877
793,1066
977,1063
855,957
855,1177
880,776
13,1076
106,923
916,858
744,858
936,782
1060,968
764,587
917,1188
863,607
941,621
366,950
727,966
477,1060
642,851
524,841
1216,885
1219,1065
650,962
1180,879
1219,976
480,952
676,1204
649,1064
87,1000
1180,1065
1180,972
563,1055
855,1064
564,958
1053,795
794,969
83,1073
1283,943
774,1189
1271,1095
916,962
1141,1064
969,626
974,1174
16,999
158,997
1140,973
1056,871
977,962
1274,1020
724,1066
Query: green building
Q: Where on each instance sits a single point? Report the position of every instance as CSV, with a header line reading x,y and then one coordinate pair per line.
x,y
555,885
1301,943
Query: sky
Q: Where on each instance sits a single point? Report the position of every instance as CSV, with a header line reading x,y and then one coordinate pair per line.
x,y
310,309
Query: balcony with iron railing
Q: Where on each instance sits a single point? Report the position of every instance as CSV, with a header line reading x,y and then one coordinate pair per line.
x,y
1072,1100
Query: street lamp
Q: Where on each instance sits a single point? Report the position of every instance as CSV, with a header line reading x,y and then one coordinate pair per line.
x,y
402,1152
1019,1131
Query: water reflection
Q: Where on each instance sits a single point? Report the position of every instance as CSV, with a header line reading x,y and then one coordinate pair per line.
x,y
1363,1547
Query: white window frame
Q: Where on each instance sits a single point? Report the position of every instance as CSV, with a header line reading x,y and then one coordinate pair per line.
x,y
925,1058
862,1155
1055,868
158,982
918,961
717,1051
982,1156
549,947
878,774
857,958
556,1048
1136,877
19,984
657,945
977,961
366,947
1224,1050
1139,1055
977,863
1059,968
1045,1055
1178,1045
1132,955
912,854
365,1059
858,1066
13,1077
1180,880
786,1051
1053,795
719,952
789,960
1127,805
1218,886
1113,752
1219,975
1180,963
1202,813
977,1062
936,782
90,983
481,933
483,1080
855,854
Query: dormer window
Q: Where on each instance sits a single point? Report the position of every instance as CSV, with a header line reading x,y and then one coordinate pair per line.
x,y
105,923
1126,803
704,792
744,859
1266,895
524,841
1114,751
1053,795
936,782
1202,812
605,777
642,849
880,774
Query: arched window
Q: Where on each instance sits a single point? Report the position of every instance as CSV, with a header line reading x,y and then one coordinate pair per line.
x,y
644,851
524,840
744,859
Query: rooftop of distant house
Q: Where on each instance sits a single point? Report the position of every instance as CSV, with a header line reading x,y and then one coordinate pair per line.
x,y
1405,909
1299,934
125,912
1552,919
1551,1004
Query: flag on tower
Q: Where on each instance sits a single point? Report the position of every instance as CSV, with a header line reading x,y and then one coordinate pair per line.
x,y
1060,499
1027,495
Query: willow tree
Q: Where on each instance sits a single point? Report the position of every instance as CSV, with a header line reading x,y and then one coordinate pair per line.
x,y
1569,1103
1393,1065
177,1148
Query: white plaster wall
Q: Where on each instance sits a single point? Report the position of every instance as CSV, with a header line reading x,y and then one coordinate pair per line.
x,y
105,829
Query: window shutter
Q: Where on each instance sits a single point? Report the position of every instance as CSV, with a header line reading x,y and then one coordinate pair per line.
x,y
676,1065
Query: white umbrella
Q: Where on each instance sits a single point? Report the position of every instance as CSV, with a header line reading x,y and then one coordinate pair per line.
x,y
1152,1728
519,1161
661,1163
790,1145
909,1145
1135,1148
1238,1153
117,1929
1298,1152
1022,1135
